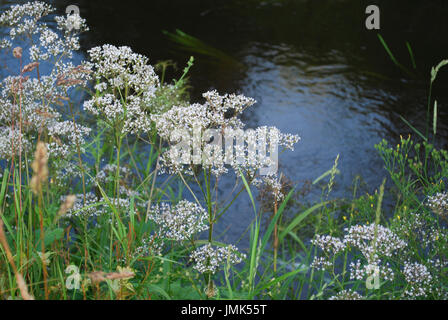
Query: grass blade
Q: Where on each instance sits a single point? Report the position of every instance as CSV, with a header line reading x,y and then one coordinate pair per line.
x,y
297,220
414,129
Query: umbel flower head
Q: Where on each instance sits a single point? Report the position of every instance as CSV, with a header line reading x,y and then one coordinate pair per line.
x,y
375,243
439,203
209,260
419,279
24,19
347,295
44,85
180,222
126,85
218,116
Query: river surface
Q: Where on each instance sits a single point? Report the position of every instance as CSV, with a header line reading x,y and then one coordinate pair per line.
x,y
312,66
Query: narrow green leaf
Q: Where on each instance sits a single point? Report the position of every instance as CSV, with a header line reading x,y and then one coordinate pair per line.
x,y
414,129
297,220
248,191
411,54
271,226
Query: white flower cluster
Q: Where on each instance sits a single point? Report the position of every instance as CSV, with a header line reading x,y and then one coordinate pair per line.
x,y
126,84
373,241
73,133
420,228
152,246
35,116
180,222
360,271
439,203
271,184
83,209
12,142
321,263
73,22
30,102
347,295
23,19
209,260
329,244
219,114
94,207
418,278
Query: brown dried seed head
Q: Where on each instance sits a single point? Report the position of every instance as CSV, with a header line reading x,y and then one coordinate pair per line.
x,y
68,82
17,52
120,275
67,205
40,168
210,290
30,67
97,276
80,69
100,276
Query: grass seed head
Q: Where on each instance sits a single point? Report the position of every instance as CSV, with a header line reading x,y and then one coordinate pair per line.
x,y
40,168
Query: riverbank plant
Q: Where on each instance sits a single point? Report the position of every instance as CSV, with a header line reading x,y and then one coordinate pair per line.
x,y
95,202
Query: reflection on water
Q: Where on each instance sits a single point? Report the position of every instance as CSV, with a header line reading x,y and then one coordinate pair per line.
x,y
311,65
324,104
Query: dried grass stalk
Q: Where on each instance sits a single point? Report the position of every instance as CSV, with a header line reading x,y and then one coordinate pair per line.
x,y
19,278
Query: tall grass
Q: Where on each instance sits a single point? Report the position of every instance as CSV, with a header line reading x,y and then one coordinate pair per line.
x,y
95,235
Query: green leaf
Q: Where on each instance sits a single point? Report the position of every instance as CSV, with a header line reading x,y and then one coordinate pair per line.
x,y
414,129
329,172
52,236
248,191
392,57
297,220
156,289
4,185
411,54
271,226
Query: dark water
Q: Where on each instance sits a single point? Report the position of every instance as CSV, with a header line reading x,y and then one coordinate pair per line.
x,y
312,65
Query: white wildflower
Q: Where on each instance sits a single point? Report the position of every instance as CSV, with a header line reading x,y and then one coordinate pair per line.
x,y
347,295
439,203
180,222
209,260
127,83
418,278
